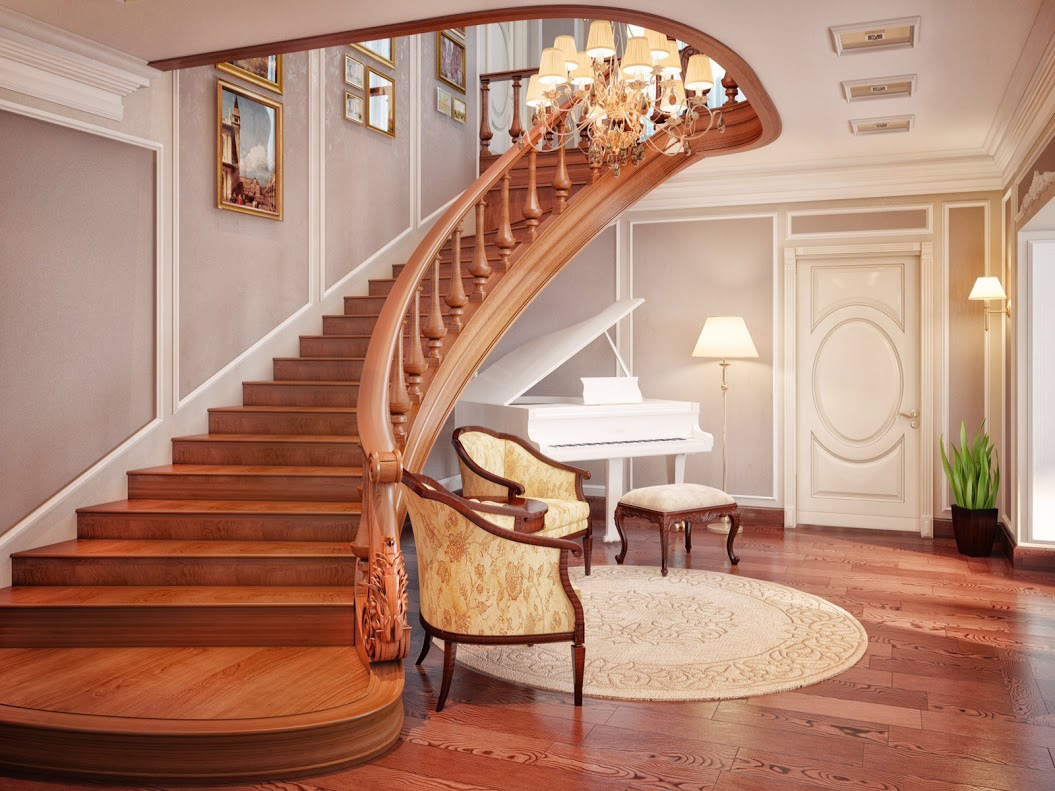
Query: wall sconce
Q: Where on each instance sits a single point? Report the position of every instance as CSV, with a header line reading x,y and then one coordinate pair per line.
x,y
985,289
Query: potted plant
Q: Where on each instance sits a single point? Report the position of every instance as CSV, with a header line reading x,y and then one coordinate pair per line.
x,y
975,481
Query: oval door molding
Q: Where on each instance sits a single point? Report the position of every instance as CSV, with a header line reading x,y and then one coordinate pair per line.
x,y
858,381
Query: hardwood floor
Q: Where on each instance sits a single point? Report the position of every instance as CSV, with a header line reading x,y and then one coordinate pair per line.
x,y
956,692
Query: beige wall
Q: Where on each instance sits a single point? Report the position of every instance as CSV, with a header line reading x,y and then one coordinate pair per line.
x,y
77,285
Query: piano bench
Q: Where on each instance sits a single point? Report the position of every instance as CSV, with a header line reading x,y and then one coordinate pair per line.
x,y
669,504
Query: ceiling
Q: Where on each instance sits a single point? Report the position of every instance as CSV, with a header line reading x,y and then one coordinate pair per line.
x,y
972,56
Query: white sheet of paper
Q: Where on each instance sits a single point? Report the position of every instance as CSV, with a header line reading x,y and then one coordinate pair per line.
x,y
611,390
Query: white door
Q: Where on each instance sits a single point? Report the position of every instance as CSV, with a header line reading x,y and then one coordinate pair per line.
x,y
858,392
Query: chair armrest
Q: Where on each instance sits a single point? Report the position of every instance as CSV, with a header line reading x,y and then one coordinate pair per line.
x,y
514,489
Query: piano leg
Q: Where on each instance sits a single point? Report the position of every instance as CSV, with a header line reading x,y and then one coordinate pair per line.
x,y
679,477
613,493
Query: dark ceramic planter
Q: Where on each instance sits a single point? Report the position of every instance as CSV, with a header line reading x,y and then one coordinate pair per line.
x,y
975,530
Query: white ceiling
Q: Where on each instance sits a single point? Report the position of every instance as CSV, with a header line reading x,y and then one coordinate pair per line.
x,y
966,59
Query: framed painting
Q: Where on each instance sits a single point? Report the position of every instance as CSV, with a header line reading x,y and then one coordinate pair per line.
x,y
354,107
443,101
459,32
353,72
265,72
381,49
458,111
248,152
450,60
381,103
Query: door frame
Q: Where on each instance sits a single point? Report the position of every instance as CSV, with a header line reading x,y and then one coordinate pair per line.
x,y
928,321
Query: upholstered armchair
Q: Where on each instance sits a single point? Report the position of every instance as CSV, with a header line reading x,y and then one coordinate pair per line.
x,y
484,579
504,465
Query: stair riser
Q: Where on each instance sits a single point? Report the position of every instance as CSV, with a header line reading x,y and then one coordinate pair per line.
x,y
243,487
363,306
348,325
278,394
445,268
215,528
381,288
185,570
280,423
263,625
330,454
333,347
318,370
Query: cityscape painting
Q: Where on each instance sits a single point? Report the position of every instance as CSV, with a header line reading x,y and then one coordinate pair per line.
x,y
248,152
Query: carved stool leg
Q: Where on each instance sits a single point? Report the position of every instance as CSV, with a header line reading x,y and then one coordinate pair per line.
x,y
578,661
587,548
664,537
622,536
688,535
425,649
450,648
734,528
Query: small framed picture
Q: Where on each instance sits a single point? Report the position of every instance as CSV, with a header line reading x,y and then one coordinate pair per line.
x,y
458,31
443,101
353,72
265,72
381,102
450,60
353,107
458,111
381,49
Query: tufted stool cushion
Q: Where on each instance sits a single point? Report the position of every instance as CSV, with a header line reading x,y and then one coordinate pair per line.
x,y
676,497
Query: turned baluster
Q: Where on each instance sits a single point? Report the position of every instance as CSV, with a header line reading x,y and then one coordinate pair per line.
x,y
561,179
731,88
504,239
532,209
485,122
398,397
435,329
480,269
515,129
456,298
415,364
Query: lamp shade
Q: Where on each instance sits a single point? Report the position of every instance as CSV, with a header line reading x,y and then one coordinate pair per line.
x,y
725,336
601,41
637,60
552,70
672,101
670,66
987,288
534,93
698,76
582,74
566,44
657,44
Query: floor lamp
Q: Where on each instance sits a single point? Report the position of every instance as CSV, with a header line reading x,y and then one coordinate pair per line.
x,y
724,337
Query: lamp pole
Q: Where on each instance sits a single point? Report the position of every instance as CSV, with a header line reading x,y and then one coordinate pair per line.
x,y
725,425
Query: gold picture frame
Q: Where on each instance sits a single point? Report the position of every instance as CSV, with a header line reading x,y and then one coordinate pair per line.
x,y
458,31
459,110
377,91
376,50
248,69
354,107
249,175
354,72
450,60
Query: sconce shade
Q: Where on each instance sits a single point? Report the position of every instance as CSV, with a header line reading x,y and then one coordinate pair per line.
x,y
601,41
582,75
637,60
566,44
657,44
534,93
698,75
987,288
552,70
670,66
725,336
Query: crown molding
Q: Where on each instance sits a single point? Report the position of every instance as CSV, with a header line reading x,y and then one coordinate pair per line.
x,y
51,64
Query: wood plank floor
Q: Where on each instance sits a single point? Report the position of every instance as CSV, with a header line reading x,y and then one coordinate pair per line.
x,y
956,693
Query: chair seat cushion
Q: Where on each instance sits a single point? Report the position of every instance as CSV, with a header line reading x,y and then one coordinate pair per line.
x,y
676,497
564,516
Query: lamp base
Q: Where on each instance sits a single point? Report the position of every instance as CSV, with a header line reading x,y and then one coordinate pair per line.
x,y
722,526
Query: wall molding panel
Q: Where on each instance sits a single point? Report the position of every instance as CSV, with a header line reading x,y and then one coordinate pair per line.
x,y
926,228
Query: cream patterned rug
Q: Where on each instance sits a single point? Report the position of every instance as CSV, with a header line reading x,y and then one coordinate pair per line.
x,y
694,635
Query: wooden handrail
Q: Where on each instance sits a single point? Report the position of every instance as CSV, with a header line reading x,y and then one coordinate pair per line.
x,y
501,76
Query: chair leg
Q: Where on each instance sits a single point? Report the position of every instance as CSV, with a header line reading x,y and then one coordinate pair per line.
x,y
425,649
664,538
578,661
587,548
734,528
450,648
622,538
688,535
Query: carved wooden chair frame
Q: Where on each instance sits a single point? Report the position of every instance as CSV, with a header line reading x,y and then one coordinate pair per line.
x,y
665,519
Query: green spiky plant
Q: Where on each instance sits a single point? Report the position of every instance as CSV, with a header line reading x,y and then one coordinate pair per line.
x,y
973,474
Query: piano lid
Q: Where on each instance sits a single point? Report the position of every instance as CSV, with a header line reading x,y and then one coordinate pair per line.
x,y
507,379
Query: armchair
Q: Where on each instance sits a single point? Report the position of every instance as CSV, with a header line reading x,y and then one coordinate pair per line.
x,y
504,465
483,581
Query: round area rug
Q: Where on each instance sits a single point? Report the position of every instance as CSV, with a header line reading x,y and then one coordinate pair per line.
x,y
693,635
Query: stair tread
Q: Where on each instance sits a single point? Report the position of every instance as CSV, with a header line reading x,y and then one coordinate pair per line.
x,y
150,548
226,507
335,439
174,595
248,469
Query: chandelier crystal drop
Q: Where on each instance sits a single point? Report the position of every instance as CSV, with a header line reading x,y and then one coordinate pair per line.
x,y
623,104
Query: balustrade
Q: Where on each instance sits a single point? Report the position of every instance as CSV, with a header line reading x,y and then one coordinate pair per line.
x,y
456,298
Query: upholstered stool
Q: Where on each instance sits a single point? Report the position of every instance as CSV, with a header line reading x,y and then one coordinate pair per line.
x,y
677,502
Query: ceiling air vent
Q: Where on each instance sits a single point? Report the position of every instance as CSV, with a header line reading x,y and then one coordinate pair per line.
x,y
879,88
872,36
882,126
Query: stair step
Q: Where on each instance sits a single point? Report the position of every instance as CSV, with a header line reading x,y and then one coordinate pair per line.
x,y
327,369
306,393
334,345
245,482
268,449
381,288
226,520
52,616
348,325
445,268
283,420
186,562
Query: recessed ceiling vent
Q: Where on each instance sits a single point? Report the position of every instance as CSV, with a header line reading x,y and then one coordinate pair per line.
x,y
879,88
872,36
881,126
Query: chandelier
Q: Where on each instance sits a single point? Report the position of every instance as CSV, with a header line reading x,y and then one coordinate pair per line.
x,y
623,104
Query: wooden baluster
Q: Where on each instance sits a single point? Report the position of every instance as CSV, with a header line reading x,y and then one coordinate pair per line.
x,y
561,179
480,269
515,129
532,209
504,239
456,298
435,329
731,88
415,364
398,397
485,122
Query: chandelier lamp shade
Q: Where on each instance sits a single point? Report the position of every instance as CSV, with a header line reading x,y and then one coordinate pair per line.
x,y
601,41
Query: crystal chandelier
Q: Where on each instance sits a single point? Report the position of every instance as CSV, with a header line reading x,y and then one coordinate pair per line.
x,y
623,104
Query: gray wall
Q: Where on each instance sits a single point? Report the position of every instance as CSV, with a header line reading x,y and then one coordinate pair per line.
x,y
77,325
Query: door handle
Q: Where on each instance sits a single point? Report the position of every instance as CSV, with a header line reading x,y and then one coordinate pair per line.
x,y
913,416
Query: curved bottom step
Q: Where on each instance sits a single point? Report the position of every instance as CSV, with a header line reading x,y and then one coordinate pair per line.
x,y
205,714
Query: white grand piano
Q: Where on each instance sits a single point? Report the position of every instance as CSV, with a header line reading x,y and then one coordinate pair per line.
x,y
612,421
